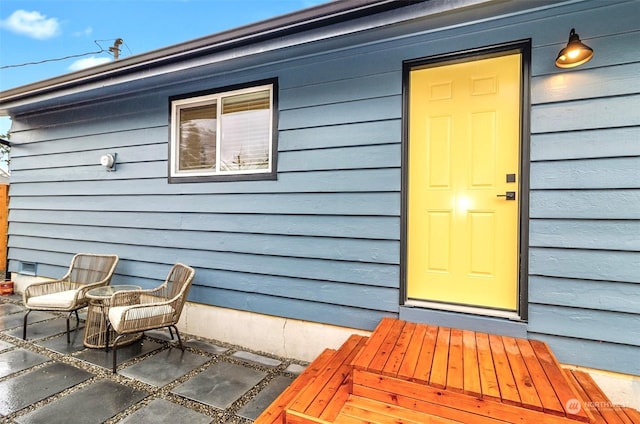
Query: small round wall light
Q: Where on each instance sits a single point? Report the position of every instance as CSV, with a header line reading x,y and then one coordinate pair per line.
x,y
576,53
108,161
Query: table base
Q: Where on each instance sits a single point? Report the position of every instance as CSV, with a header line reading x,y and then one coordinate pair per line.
x,y
95,332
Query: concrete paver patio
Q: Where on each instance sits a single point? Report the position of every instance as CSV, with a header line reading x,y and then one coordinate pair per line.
x,y
46,380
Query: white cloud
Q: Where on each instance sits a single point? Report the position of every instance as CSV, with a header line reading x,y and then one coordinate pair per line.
x,y
88,63
85,32
32,24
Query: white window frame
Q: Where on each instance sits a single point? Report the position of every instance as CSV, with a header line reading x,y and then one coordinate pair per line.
x,y
216,173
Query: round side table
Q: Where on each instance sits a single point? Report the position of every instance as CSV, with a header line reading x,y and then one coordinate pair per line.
x,y
95,332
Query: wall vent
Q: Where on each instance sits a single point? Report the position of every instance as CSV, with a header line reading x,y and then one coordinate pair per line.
x,y
28,268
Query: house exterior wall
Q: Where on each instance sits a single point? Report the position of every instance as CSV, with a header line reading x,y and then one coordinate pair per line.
x,y
322,243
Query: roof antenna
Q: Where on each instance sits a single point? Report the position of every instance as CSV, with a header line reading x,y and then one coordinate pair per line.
x,y
116,48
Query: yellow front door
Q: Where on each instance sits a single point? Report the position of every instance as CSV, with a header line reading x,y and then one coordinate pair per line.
x,y
463,197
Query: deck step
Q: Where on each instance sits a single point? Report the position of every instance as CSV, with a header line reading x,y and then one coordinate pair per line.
x,y
415,374
601,407
322,399
360,410
320,390
274,414
482,373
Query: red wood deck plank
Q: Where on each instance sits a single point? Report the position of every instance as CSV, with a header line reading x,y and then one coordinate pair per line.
x,y
334,405
295,417
424,401
528,393
439,368
632,414
596,418
548,398
565,392
399,352
470,363
308,394
611,413
425,360
346,419
366,355
455,366
275,412
337,379
383,354
427,398
488,377
410,361
382,412
508,388
624,417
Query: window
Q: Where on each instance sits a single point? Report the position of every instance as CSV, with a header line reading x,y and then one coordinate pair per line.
x,y
224,135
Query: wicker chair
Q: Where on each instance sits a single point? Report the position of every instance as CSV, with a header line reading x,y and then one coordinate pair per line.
x,y
68,294
141,310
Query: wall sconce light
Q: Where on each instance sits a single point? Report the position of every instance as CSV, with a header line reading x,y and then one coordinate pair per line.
x,y
576,53
108,161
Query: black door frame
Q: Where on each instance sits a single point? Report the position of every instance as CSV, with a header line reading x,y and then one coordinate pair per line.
x,y
524,48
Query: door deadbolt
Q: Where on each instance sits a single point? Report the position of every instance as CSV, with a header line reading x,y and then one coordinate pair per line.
x,y
509,195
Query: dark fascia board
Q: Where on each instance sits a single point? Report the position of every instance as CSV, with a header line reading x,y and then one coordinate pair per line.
x,y
5,142
306,19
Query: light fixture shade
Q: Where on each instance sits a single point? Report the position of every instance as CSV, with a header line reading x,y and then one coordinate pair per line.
x,y
576,53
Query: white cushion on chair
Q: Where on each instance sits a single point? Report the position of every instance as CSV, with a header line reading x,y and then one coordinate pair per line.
x,y
115,313
63,299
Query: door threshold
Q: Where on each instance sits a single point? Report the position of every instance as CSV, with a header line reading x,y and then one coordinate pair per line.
x,y
468,318
474,310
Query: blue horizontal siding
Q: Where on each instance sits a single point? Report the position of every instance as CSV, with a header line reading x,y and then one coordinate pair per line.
x,y
348,272
89,141
593,353
99,182
585,204
585,198
613,173
148,113
132,162
342,249
298,309
335,293
90,158
604,143
610,326
343,90
353,227
375,157
350,134
602,265
585,294
369,110
586,234
587,83
577,115
370,204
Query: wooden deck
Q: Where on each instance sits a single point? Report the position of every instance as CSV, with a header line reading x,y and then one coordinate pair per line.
x,y
415,373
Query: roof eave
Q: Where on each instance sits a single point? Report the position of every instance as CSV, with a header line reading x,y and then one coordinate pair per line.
x,y
325,14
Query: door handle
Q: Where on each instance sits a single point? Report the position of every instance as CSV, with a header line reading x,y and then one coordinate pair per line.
x,y
509,195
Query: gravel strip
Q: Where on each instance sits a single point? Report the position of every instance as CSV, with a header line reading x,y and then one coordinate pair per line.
x,y
227,416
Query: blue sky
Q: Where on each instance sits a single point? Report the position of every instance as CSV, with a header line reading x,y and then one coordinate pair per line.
x,y
42,30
